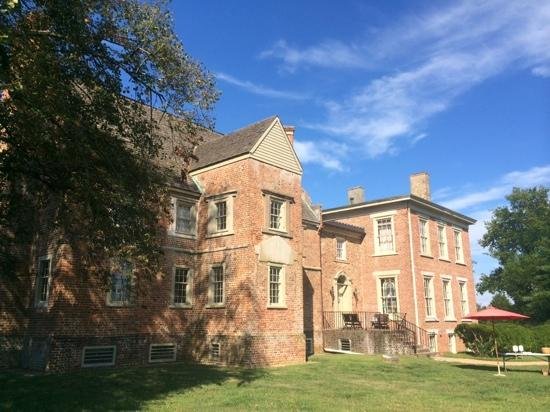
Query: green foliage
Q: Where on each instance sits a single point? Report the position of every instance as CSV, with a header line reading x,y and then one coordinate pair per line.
x,y
77,138
518,236
500,301
478,337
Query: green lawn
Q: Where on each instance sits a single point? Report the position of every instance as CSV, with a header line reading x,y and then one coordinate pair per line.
x,y
327,382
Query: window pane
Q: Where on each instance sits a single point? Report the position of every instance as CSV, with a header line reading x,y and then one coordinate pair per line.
x,y
217,284
385,234
221,215
121,282
183,217
274,284
275,214
429,296
389,295
42,280
181,282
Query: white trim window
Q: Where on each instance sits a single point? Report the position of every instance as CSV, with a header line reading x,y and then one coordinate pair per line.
x,y
276,286
181,287
429,297
459,250
277,214
220,214
452,341
442,241
217,286
184,217
463,287
122,277
43,277
424,230
388,294
385,235
448,299
341,249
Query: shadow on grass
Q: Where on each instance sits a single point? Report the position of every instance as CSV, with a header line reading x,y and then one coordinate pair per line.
x,y
111,389
493,369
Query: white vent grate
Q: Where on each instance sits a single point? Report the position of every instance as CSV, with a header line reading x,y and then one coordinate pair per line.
x,y
162,352
98,356
215,349
345,345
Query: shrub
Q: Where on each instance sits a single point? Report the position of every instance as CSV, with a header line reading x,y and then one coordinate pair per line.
x,y
477,337
542,336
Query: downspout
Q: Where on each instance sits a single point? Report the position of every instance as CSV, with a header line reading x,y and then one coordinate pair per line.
x,y
321,282
413,271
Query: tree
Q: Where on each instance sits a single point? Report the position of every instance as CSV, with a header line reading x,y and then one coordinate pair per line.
x,y
500,301
518,236
79,138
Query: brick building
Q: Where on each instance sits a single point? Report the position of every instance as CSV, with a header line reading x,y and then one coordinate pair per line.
x,y
254,274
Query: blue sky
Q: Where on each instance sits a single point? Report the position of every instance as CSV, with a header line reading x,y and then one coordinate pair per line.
x,y
379,90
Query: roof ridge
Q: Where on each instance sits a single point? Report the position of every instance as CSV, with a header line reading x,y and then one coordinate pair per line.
x,y
250,125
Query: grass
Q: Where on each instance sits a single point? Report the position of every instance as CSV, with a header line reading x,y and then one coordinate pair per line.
x,y
327,382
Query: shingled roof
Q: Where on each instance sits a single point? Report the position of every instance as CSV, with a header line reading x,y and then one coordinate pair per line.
x,y
234,144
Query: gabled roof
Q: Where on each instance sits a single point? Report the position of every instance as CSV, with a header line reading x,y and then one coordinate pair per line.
x,y
344,226
232,145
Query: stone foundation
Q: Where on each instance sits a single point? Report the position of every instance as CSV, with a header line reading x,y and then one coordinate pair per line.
x,y
370,341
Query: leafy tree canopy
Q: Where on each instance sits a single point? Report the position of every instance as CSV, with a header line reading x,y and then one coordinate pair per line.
x,y
77,132
518,236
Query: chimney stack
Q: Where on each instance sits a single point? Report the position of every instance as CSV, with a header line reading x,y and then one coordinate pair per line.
x,y
356,195
420,185
289,130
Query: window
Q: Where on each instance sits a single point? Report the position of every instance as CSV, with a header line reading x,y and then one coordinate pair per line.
x,y
452,342
220,214
340,249
217,286
276,220
120,293
184,216
429,296
309,346
215,351
389,295
442,240
276,286
345,344
463,298
425,237
384,243
43,281
162,352
448,299
98,356
459,252
432,341
181,287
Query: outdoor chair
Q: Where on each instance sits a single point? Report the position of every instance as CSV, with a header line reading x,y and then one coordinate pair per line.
x,y
351,320
381,321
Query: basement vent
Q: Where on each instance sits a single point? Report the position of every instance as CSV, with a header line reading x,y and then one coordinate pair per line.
x,y
215,349
98,356
345,345
162,352
309,346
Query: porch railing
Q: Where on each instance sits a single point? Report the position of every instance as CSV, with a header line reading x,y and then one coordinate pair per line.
x,y
393,322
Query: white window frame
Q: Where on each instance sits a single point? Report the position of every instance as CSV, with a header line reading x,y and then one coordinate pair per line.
x,y
431,290
376,218
451,337
188,289
380,276
464,301
459,246
424,235
38,302
213,229
447,293
282,286
283,214
341,249
211,287
443,250
129,300
192,204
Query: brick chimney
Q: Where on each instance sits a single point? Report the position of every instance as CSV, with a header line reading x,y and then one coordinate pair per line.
x,y
289,130
420,185
356,195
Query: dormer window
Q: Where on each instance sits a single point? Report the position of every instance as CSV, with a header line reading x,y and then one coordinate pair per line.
x,y
184,217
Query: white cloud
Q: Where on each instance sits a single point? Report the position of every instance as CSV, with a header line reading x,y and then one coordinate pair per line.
x,y
441,54
541,71
324,153
477,230
536,176
259,89
330,53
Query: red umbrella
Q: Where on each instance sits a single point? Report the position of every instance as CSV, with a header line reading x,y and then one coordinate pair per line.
x,y
493,314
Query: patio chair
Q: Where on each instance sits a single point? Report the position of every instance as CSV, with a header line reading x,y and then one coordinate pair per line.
x,y
351,320
381,321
